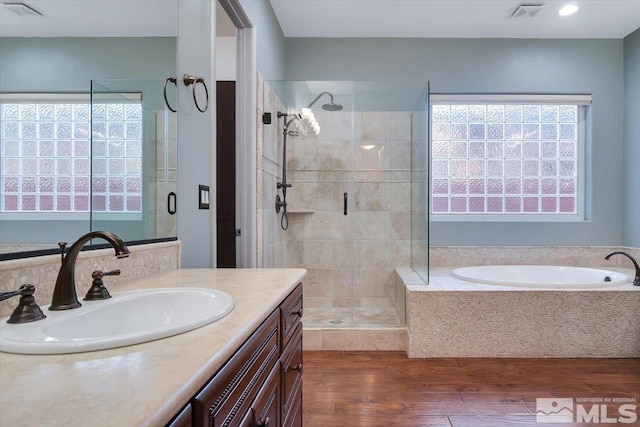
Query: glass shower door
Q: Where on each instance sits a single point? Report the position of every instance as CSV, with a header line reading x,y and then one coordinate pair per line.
x,y
322,203
318,159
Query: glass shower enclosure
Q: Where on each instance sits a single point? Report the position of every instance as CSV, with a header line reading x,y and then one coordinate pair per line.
x,y
348,210
133,159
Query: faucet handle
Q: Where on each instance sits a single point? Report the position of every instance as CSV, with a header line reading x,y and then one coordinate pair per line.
x,y
27,309
98,291
115,272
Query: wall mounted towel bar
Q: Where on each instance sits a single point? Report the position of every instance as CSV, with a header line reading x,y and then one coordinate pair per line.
x,y
193,82
164,91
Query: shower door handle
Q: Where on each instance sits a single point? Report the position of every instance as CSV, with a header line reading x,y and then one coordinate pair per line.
x,y
345,195
172,201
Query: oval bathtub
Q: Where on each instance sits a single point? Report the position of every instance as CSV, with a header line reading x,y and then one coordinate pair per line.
x,y
541,276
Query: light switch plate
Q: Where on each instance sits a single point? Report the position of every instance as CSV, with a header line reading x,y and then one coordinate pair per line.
x,y
203,196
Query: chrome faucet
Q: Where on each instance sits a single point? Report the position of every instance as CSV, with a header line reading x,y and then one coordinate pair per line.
x,y
636,281
64,293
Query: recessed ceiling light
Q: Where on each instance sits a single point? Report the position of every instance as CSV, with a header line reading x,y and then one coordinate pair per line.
x,y
568,9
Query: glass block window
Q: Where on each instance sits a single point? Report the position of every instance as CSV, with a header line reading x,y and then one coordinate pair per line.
x,y
504,159
117,157
46,155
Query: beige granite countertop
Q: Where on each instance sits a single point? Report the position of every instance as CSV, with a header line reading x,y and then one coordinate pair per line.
x,y
144,384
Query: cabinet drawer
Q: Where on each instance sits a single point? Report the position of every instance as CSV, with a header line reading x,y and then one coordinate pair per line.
x,y
291,363
235,386
265,410
291,313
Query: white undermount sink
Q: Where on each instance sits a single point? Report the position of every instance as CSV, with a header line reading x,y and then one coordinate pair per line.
x,y
126,318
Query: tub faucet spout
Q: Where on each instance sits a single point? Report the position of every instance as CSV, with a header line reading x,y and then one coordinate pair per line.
x,y
64,293
636,281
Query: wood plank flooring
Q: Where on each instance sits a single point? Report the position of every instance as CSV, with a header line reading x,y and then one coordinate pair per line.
x,y
387,389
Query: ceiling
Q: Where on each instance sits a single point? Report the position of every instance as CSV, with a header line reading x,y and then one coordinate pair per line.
x,y
96,18
454,18
336,18
101,18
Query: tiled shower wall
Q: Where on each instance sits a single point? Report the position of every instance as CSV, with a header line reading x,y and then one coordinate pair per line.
x,y
374,237
271,239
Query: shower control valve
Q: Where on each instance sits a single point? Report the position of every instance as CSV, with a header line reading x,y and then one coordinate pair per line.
x,y
280,204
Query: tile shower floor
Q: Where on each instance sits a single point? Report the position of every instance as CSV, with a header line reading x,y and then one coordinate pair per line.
x,y
336,317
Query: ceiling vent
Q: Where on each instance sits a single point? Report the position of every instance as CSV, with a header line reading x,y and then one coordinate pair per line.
x,y
527,10
21,9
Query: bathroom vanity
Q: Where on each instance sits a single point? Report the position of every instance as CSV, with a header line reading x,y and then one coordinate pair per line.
x,y
244,369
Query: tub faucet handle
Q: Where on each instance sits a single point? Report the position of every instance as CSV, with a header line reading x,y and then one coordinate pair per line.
x,y
636,281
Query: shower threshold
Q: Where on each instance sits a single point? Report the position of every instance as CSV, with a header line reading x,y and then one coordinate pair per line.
x,y
343,317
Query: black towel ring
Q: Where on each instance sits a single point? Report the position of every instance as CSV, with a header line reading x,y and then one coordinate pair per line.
x,y
192,80
164,91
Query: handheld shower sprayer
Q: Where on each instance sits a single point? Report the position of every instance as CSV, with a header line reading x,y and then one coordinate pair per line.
x,y
306,115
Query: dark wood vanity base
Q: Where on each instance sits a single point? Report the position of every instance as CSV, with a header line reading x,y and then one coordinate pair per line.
x,y
261,384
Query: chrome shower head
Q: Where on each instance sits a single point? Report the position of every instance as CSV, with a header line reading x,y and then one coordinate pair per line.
x,y
332,106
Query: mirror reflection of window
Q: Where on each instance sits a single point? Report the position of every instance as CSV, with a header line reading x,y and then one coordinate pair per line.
x,y
46,155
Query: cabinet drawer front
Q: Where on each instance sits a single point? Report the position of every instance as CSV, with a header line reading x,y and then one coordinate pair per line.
x,y
235,386
291,313
291,362
265,409
294,417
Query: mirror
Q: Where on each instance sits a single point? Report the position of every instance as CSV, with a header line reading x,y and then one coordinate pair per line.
x,y
87,142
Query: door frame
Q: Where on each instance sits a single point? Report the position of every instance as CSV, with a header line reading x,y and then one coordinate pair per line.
x,y
246,122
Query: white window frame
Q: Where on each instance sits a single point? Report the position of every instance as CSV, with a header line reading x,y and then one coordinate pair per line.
x,y
581,100
70,98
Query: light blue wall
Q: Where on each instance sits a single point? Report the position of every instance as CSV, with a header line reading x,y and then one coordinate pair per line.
x,y
195,143
499,66
632,139
270,48
68,64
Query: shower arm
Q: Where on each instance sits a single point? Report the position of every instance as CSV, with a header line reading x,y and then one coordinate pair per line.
x,y
319,96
